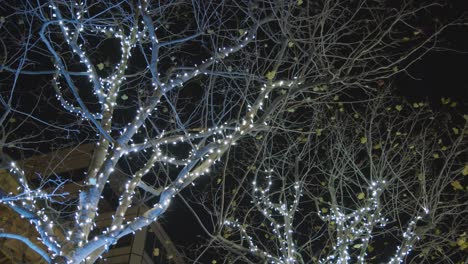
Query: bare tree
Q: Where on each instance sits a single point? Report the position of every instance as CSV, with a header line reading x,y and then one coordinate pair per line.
x,y
165,90
376,181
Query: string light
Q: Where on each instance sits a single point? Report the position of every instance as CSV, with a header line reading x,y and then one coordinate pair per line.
x,y
355,227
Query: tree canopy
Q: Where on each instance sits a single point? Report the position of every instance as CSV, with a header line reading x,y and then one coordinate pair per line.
x,y
282,113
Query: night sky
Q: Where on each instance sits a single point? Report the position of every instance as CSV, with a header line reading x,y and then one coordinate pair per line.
x,y
443,72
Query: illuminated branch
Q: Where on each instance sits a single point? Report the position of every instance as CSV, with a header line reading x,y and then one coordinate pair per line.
x,y
283,103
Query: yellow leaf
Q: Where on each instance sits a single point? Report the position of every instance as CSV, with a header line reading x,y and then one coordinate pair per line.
x,y
357,246
241,32
300,2
214,262
453,104
377,146
318,131
395,68
363,140
324,210
270,75
100,66
445,100
302,139
462,243
156,252
455,130
370,248
415,105
420,176
435,155
398,108
218,181
437,231
290,44
361,196
465,170
456,185
124,97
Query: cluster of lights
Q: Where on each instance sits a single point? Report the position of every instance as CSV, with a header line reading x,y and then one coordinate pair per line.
x,y
25,205
106,90
252,246
126,198
282,230
409,238
247,123
355,227
208,155
358,224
